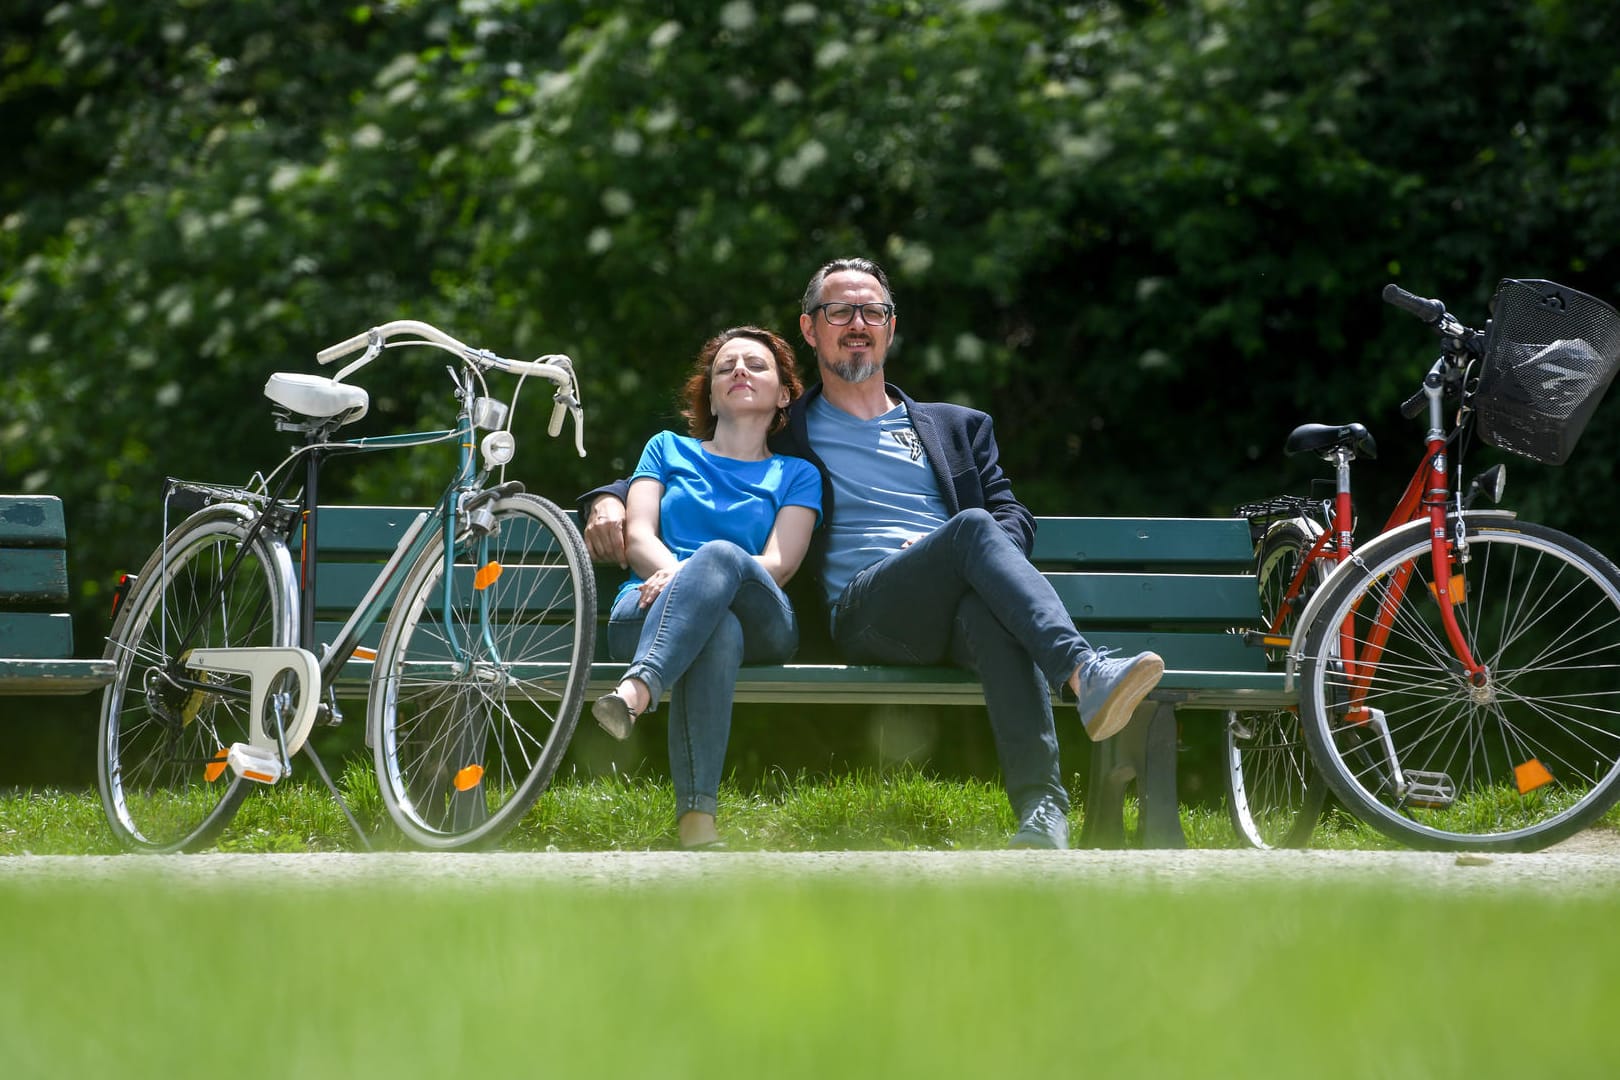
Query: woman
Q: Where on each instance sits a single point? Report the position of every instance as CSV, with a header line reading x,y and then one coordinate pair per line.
x,y
715,526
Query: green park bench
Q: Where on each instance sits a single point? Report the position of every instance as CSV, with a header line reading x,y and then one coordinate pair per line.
x,y
1179,586
36,641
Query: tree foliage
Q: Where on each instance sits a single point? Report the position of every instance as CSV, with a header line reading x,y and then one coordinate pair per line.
x,y
1148,236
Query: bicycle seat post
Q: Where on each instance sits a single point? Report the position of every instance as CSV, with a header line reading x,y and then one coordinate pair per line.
x,y
308,550
1343,516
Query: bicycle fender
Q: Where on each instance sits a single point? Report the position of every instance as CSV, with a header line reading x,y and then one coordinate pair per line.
x,y
1373,550
243,515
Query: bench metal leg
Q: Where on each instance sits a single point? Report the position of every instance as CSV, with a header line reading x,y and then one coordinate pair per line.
x,y
1145,752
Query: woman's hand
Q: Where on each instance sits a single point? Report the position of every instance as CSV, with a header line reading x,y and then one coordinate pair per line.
x,y
654,584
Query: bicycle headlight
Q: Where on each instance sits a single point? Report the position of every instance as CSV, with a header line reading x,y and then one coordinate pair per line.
x,y
1489,483
498,448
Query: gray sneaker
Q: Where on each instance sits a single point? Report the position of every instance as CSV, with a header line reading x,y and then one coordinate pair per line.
x,y
1110,690
1043,825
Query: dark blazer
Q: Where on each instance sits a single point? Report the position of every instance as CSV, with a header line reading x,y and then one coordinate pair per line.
x,y
961,446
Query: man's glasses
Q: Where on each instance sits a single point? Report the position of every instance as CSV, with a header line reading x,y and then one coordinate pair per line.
x,y
844,314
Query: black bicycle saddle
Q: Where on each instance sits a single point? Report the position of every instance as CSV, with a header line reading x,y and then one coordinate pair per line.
x,y
1322,438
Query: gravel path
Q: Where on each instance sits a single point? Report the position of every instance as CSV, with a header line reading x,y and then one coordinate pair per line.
x,y
1587,863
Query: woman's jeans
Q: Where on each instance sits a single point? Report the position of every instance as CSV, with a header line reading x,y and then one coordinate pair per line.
x,y
967,594
720,610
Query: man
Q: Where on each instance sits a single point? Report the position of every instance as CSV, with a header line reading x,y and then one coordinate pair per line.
x,y
924,557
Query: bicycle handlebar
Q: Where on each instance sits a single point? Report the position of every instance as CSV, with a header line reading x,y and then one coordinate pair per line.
x,y
555,367
1427,311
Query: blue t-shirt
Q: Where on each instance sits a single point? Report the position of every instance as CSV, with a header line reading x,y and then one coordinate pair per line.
x,y
883,487
709,497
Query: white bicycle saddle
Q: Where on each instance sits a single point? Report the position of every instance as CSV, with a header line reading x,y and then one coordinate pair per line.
x,y
317,396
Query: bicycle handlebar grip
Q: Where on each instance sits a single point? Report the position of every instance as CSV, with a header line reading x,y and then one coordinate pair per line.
x,y
1428,311
1412,407
554,425
343,348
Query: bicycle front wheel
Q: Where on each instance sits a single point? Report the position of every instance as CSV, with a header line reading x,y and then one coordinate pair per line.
x,y
479,680
162,736
1273,793
1423,754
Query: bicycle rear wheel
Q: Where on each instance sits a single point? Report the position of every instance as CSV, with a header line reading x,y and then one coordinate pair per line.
x,y
1420,753
1273,793
161,740
478,685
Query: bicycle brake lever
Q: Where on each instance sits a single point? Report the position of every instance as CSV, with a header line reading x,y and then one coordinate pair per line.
x,y
579,427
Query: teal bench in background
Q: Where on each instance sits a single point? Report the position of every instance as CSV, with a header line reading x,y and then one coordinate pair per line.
x,y
36,639
1178,586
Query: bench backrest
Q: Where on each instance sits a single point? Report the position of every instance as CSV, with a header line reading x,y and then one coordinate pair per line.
x,y
1175,585
33,578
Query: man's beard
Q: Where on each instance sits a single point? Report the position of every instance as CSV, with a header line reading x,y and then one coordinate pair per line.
x,y
855,371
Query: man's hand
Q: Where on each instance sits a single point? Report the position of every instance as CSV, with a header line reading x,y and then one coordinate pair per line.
x,y
604,531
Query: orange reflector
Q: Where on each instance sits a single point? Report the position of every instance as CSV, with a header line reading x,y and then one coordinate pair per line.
x,y
486,575
1282,642
1457,587
1531,775
263,778
363,653
216,768
468,778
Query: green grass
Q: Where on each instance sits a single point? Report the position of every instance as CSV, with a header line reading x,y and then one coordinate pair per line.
x,y
891,809
812,976
862,809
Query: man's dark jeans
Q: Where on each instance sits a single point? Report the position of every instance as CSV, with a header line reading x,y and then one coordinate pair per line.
x,y
966,594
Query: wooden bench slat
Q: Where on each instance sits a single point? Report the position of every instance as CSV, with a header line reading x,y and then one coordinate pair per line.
x,y
1091,598
339,587
1222,600
32,677
32,521
887,684
1089,541
1144,542
36,635
33,575
362,530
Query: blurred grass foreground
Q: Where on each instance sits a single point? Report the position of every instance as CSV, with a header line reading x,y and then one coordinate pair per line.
x,y
864,974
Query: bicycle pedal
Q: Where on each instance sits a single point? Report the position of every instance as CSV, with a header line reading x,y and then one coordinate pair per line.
x,y
251,763
1428,790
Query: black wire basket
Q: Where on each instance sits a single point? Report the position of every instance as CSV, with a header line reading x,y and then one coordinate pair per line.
x,y
1550,354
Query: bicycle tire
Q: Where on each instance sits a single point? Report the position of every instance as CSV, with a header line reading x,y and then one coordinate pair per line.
x,y
1522,763
1274,794
463,749
159,749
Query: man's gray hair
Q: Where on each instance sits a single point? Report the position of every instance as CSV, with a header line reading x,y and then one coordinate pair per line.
x,y
812,292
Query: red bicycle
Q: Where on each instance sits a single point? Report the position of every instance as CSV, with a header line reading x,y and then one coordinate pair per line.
x,y
1459,674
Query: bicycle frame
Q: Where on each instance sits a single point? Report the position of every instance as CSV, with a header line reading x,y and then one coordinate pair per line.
x,y
1427,495
442,517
